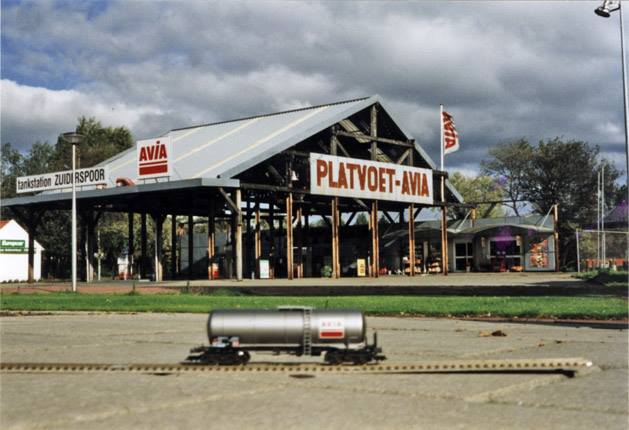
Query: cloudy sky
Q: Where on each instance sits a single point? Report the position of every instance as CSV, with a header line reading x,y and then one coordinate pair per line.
x,y
503,69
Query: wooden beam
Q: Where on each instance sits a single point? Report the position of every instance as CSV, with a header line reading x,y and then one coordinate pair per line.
x,y
373,130
389,217
351,218
362,136
289,236
238,216
173,246
375,244
143,245
190,245
336,272
130,245
258,238
211,238
411,239
234,207
158,221
300,256
272,255
404,156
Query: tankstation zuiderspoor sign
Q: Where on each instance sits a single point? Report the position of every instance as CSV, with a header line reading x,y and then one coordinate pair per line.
x,y
59,180
352,177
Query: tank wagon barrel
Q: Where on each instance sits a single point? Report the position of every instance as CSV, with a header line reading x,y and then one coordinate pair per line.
x,y
340,334
287,326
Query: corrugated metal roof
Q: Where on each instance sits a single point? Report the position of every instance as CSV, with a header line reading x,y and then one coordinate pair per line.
x,y
226,149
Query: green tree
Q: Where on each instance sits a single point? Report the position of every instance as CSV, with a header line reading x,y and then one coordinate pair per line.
x,y
555,171
479,189
11,167
509,164
100,144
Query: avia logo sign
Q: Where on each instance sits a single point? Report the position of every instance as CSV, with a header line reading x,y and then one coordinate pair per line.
x,y
153,156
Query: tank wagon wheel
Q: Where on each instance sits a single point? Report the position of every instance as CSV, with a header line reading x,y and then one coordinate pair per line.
x,y
245,357
333,357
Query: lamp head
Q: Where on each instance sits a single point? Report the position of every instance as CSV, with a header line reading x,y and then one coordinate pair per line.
x,y
73,138
602,11
607,8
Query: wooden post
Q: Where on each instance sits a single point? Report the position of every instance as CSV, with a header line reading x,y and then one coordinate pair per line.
x,y
272,238
190,245
31,229
258,238
375,242
173,246
375,245
130,245
444,229
143,245
336,270
238,216
86,221
411,239
289,236
211,240
158,220
300,256
556,235
248,250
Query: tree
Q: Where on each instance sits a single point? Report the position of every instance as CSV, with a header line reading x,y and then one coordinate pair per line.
x,y
479,189
11,167
509,164
556,171
100,144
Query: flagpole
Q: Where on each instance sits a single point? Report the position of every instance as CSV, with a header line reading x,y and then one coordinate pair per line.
x,y
444,219
441,133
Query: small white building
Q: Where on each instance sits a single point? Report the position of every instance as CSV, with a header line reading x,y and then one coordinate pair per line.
x,y
14,253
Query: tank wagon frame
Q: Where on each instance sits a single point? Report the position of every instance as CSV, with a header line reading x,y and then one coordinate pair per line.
x,y
339,335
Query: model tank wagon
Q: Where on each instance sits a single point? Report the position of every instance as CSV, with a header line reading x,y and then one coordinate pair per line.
x,y
340,335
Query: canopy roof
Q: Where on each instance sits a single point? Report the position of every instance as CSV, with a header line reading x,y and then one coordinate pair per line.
x,y
221,151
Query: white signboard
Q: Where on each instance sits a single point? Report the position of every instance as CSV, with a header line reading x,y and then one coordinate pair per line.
x,y
57,180
352,177
154,157
331,328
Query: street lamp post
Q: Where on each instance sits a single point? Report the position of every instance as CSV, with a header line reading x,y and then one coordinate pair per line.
x,y
74,139
605,11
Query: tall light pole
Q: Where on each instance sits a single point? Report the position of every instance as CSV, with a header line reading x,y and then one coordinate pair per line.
x,y
74,139
605,11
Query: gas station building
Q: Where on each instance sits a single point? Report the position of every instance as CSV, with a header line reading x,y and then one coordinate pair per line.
x,y
301,193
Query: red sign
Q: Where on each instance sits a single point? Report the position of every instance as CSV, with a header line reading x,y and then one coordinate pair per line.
x,y
331,328
153,156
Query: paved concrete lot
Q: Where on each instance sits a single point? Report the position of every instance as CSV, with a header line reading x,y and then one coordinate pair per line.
x,y
597,399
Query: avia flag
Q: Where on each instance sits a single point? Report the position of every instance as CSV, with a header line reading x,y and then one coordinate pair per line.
x,y
450,136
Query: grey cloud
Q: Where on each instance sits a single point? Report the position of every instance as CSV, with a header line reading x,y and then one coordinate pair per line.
x,y
504,70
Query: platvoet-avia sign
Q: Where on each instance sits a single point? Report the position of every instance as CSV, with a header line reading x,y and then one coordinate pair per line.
x,y
352,177
58,180
154,157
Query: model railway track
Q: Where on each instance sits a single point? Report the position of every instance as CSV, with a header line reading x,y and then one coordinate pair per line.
x,y
565,365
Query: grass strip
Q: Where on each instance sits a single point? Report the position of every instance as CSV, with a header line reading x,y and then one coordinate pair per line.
x,y
540,307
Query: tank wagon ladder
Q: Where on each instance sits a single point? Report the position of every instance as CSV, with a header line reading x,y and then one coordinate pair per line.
x,y
307,342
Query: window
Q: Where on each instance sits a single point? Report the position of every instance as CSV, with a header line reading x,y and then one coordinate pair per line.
x,y
463,256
